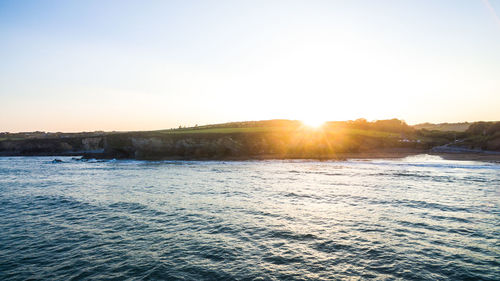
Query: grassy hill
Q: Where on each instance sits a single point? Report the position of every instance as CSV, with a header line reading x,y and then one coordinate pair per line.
x,y
451,127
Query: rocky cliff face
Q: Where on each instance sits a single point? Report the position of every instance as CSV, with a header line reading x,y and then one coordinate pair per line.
x,y
227,146
95,144
160,145
52,146
172,147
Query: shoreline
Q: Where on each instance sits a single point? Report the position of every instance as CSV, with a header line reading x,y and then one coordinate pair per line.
x,y
384,154
484,157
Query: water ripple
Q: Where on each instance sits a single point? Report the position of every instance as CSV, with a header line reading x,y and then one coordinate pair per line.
x,y
421,218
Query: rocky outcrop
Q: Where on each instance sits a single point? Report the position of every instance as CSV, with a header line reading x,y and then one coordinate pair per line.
x,y
202,146
95,144
173,147
52,146
155,146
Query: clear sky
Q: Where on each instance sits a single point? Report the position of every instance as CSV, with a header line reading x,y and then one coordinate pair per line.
x,y
141,65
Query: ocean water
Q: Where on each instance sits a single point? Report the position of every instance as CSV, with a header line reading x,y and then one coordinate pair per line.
x,y
418,218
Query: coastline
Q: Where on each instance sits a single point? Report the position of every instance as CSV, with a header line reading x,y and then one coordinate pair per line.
x,y
484,156
262,140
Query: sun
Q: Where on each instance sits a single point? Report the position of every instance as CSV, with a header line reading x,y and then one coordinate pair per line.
x,y
313,123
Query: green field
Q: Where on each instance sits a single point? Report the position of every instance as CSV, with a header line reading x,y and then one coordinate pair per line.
x,y
219,130
329,131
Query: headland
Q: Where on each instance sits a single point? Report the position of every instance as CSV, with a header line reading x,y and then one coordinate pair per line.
x,y
269,139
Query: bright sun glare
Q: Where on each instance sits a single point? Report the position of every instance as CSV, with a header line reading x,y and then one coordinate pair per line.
x,y
313,123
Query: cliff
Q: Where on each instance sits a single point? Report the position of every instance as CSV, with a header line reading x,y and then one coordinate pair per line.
x,y
52,146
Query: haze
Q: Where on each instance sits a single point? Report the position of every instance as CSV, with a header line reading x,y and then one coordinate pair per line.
x,y
143,65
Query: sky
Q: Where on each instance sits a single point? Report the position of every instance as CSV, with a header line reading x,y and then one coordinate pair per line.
x,y
143,65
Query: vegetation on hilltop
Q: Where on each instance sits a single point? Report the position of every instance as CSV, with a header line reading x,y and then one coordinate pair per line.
x,y
482,135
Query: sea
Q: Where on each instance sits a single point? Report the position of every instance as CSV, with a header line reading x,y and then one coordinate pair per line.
x,y
415,218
